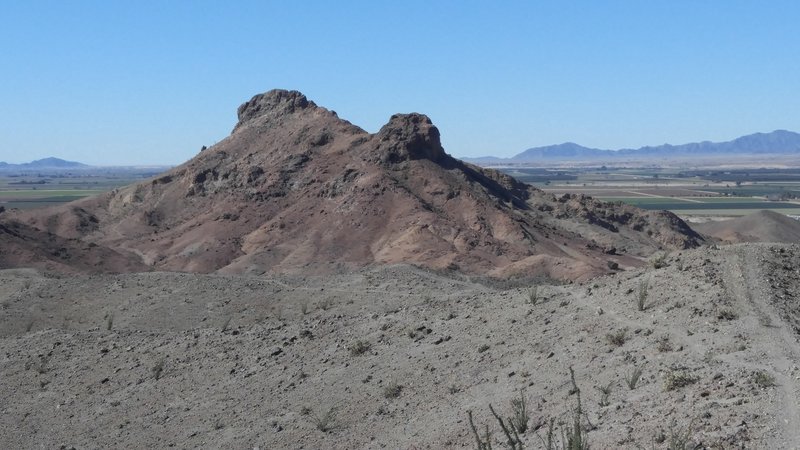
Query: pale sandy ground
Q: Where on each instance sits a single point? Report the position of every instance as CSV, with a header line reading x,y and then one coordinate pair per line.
x,y
451,344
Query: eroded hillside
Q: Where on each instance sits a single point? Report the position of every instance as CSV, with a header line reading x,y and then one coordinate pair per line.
x,y
296,189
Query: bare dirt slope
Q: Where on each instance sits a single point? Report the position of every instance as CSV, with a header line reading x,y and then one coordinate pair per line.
x,y
296,189
400,354
22,245
761,226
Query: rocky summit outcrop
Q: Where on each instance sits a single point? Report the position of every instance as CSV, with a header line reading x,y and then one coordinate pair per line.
x,y
294,188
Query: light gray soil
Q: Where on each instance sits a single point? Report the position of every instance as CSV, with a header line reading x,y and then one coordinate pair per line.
x,y
208,361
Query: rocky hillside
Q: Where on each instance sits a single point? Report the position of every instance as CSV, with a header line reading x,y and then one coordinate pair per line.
x,y
295,188
24,246
394,357
761,226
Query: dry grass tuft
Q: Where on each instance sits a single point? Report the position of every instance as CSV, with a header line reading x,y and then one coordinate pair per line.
x,y
763,379
678,379
633,378
325,421
359,347
617,338
392,390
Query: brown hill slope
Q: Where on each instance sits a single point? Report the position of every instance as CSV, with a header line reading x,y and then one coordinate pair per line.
x,y
296,188
761,226
24,246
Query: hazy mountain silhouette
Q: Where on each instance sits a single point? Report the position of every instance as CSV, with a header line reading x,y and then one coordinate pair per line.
x,y
45,163
776,142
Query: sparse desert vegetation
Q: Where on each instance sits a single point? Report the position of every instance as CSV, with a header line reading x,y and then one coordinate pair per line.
x,y
641,296
763,379
617,338
659,261
325,420
384,360
392,390
533,295
677,379
632,379
359,347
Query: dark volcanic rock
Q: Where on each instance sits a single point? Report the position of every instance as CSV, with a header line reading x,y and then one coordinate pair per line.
x,y
276,101
408,137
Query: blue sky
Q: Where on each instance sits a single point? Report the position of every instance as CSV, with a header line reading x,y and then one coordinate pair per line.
x,y
112,82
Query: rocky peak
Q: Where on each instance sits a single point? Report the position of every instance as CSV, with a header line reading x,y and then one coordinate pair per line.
x,y
298,190
276,102
408,137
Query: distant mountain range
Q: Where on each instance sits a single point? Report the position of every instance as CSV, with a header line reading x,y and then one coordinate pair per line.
x,y
42,164
777,142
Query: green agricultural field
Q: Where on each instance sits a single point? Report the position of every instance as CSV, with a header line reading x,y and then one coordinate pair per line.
x,y
757,189
25,190
30,191
710,206
730,212
35,199
733,200
638,201
685,206
689,193
43,193
703,204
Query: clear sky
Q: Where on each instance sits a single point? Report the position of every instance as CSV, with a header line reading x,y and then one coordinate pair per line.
x,y
140,82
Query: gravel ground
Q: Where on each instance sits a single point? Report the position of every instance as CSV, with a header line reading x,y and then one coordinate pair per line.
x,y
394,357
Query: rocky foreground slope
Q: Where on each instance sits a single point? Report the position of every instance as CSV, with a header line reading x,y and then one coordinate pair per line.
x,y
296,189
394,357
